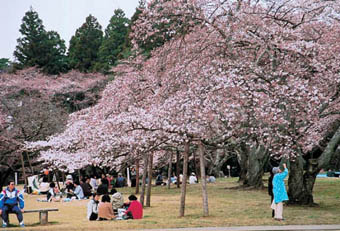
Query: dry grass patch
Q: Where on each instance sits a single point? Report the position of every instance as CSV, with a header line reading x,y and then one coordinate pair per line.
x,y
227,207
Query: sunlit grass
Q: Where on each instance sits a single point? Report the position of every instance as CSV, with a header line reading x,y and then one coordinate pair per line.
x,y
227,207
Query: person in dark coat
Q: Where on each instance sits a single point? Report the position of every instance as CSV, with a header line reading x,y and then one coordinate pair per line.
x,y
270,190
87,188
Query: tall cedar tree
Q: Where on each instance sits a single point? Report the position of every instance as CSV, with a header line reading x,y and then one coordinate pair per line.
x,y
84,45
114,40
39,48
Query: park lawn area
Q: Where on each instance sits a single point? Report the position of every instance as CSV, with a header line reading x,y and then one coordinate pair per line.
x,y
227,207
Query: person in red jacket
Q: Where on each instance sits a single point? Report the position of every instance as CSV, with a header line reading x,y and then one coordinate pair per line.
x,y
135,209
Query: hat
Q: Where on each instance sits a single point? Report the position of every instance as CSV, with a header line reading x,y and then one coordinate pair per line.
x,y
276,170
193,174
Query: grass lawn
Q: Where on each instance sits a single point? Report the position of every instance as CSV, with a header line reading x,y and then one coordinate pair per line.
x,y
227,207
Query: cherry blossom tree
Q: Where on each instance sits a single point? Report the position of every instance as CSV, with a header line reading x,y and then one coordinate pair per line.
x,y
259,74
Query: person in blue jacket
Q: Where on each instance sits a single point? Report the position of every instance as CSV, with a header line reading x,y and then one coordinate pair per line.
x,y
11,200
279,191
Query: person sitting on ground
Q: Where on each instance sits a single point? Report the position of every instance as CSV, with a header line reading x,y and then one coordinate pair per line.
x,y
117,200
9,199
120,182
173,179
135,209
78,191
69,188
211,179
92,208
105,211
192,178
103,188
53,193
159,179
87,188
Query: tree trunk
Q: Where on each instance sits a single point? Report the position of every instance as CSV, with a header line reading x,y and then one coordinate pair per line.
x,y
29,162
300,183
170,170
242,158
184,182
4,177
145,160
220,158
177,167
201,150
257,159
137,177
57,178
148,193
295,181
23,166
195,167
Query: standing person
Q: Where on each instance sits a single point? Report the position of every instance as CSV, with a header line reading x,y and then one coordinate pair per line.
x,y
270,189
93,182
9,200
105,211
135,209
279,191
120,182
133,175
92,208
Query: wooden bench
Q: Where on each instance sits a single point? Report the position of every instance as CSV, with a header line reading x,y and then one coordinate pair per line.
x,y
43,214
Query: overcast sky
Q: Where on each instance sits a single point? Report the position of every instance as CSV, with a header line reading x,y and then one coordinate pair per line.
x,y
63,16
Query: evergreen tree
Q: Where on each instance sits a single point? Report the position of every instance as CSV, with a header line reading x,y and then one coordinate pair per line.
x,y
55,60
39,48
114,39
4,64
84,45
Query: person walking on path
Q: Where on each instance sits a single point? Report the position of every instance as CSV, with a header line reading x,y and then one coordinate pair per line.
x,y
279,191
9,200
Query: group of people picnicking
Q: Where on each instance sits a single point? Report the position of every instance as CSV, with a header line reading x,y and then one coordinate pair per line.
x,y
105,205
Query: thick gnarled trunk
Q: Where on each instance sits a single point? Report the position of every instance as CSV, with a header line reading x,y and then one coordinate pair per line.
x,y
257,159
252,164
300,182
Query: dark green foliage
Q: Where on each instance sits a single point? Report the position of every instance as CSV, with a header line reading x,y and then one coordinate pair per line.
x,y
4,64
55,60
114,39
39,48
84,45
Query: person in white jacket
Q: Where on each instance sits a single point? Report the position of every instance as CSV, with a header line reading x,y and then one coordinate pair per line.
x,y
193,179
92,208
